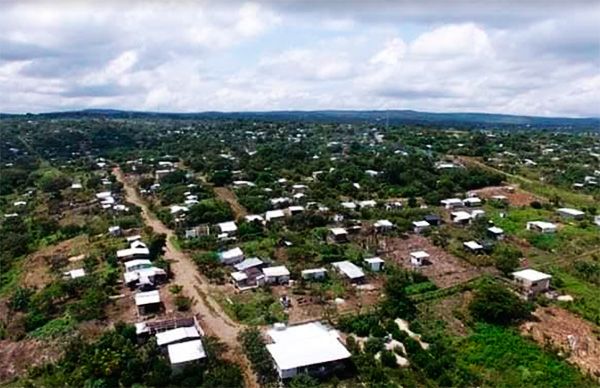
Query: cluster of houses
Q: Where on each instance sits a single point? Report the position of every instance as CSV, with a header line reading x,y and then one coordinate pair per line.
x,y
108,201
141,275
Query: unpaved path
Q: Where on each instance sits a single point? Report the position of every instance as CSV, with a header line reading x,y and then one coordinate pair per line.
x,y
225,194
215,321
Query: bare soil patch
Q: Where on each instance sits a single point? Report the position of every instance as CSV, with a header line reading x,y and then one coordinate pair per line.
x,y
225,194
445,270
18,356
517,197
578,339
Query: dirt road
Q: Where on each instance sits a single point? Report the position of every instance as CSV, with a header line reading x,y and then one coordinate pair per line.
x,y
214,319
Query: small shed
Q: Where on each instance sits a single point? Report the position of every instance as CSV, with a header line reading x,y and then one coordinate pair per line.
x,y
276,275
473,246
541,226
231,256
184,353
314,274
420,226
274,215
569,213
532,282
496,232
147,302
338,235
375,264
349,270
419,258
383,226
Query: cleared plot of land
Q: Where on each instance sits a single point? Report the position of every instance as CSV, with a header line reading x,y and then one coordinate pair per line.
x,y
445,270
516,198
225,194
17,356
577,338
451,310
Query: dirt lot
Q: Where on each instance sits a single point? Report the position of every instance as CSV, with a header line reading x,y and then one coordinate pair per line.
x,y
36,268
571,334
17,357
445,270
517,198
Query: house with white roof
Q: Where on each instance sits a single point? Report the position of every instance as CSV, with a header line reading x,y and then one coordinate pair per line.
x,y
461,217
231,256
147,302
254,218
251,262
375,264
473,246
314,274
276,275
532,282
310,348
349,205
293,210
133,252
382,226
338,235
418,258
472,201
367,204
184,353
451,203
541,226
75,273
227,228
176,335
141,273
274,215
569,213
496,232
420,226
349,270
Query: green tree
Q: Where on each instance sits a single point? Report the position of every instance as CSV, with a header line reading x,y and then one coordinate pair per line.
x,y
494,303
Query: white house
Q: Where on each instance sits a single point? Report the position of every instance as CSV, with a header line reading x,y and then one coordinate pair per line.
x,y
147,302
383,226
532,282
132,253
349,205
472,201
541,226
417,258
570,213
338,235
183,353
451,203
461,217
142,272
310,348
314,274
231,256
496,232
375,264
228,227
349,270
251,262
254,218
473,246
278,274
176,335
420,226
273,215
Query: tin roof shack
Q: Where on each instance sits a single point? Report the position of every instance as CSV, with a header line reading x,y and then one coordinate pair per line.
x,y
375,264
136,250
148,302
350,270
472,202
276,275
248,279
337,235
228,228
310,348
419,258
141,273
274,215
451,203
496,233
473,246
383,226
314,274
461,217
185,353
420,226
532,282
541,226
231,256
569,213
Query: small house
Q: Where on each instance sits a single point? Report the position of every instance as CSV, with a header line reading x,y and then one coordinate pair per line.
x,y
419,258
310,348
383,226
532,282
569,213
75,273
229,228
541,226
231,256
350,271
254,218
147,302
367,204
420,226
185,353
496,233
251,262
473,246
461,217
274,215
177,335
338,235
276,275
375,264
349,205
472,202
314,274
293,210
451,203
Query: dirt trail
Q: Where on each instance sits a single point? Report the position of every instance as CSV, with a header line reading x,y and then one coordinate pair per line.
x,y
215,321
229,196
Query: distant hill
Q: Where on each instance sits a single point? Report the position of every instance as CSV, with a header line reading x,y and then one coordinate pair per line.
x,y
479,120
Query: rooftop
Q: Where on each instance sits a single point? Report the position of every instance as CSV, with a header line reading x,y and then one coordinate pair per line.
x,y
186,352
532,275
176,335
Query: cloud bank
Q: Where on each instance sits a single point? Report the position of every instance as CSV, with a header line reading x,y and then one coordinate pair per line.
x,y
539,58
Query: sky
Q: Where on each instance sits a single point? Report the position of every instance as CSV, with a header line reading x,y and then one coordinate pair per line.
x,y
536,57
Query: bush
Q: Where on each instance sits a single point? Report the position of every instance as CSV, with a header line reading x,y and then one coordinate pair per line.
x,y
495,304
388,358
183,303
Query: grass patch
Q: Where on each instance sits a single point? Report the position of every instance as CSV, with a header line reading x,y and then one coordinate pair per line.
x,y
587,300
505,359
255,308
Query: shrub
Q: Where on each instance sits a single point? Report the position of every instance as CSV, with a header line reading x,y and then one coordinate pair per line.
x,y
493,303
